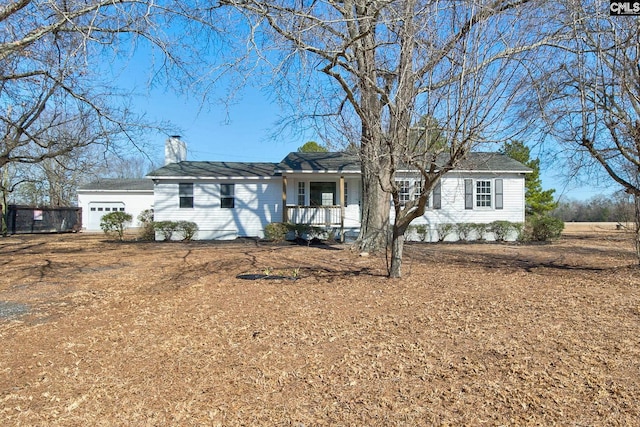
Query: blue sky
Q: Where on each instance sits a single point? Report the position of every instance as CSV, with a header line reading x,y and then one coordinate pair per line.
x,y
241,132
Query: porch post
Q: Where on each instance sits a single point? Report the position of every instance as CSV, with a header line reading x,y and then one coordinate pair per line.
x,y
285,216
341,192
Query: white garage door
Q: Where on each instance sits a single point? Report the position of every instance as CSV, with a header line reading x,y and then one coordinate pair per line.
x,y
97,209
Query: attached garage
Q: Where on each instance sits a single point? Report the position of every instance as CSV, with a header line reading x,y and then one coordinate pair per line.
x,y
97,209
114,195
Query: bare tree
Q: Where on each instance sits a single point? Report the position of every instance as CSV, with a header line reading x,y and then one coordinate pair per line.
x,y
590,98
52,60
378,66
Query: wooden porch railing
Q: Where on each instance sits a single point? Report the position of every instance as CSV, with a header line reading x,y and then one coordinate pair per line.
x,y
314,215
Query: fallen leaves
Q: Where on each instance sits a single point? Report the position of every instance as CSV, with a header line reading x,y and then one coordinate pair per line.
x,y
142,334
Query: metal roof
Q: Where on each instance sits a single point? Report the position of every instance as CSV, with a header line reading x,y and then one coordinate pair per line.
x,y
121,184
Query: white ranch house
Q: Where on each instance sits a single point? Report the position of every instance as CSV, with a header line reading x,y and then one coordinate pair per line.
x,y
231,199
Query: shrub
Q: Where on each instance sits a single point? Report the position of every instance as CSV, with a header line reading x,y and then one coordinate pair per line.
x,y
331,235
422,231
518,228
544,228
146,216
443,231
166,229
188,229
115,222
480,229
464,230
501,229
276,231
147,231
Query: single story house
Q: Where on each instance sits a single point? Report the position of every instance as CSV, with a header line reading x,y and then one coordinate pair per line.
x,y
236,199
109,195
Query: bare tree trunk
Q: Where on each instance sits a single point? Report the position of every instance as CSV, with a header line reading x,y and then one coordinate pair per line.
x,y
4,227
636,202
397,247
4,187
376,205
401,222
375,216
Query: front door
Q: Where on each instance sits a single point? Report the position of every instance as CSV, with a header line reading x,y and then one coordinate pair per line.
x,y
322,193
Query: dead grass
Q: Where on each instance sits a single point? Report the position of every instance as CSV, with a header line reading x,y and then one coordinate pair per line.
x,y
165,334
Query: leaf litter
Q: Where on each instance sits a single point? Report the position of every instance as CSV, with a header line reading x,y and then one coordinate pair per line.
x,y
167,334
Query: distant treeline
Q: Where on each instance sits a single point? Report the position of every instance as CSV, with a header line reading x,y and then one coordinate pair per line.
x,y
614,208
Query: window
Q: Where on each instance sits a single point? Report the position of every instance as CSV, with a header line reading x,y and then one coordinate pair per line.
x,y
417,189
301,194
483,194
404,193
227,196
185,192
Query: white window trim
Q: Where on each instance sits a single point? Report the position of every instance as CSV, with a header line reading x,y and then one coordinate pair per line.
x,y
301,185
185,196
231,196
490,194
493,194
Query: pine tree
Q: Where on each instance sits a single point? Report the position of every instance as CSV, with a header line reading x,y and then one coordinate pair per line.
x,y
312,147
538,201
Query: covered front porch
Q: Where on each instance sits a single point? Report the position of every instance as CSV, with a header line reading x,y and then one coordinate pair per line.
x,y
321,190
316,202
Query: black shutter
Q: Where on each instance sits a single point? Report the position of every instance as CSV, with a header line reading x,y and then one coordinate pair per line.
x,y
499,194
468,194
437,196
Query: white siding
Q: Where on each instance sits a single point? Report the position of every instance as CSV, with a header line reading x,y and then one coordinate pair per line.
x,y
453,207
257,203
134,202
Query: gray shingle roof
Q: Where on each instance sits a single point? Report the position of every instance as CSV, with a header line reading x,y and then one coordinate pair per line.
x,y
344,162
319,162
214,170
316,162
491,162
122,184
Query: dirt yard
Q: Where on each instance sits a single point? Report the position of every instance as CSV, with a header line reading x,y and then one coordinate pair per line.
x,y
151,334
